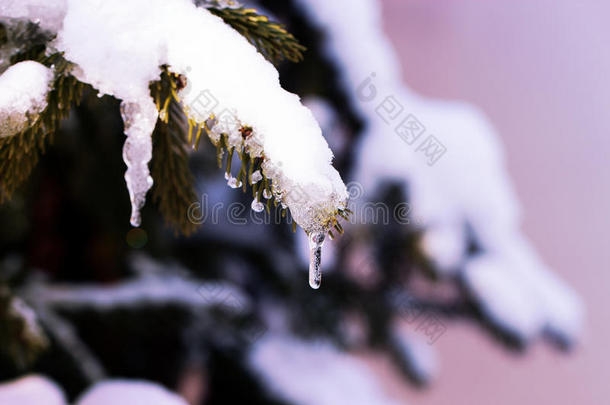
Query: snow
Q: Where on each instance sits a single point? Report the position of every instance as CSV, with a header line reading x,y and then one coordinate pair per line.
x,y
504,298
31,329
419,356
444,246
155,284
300,372
39,390
129,392
23,95
519,293
49,13
240,88
31,390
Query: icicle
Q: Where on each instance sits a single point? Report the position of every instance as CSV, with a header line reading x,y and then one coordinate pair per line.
x,y
139,120
316,240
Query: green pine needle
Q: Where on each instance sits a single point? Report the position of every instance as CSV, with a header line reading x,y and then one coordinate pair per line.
x,y
173,189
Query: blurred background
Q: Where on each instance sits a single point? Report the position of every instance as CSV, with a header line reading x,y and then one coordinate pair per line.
x,y
447,305
539,72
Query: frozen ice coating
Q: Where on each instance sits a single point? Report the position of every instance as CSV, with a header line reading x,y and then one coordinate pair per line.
x,y
240,88
139,120
23,95
316,240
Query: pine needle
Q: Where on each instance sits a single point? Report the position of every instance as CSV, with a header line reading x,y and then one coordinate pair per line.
x,y
270,38
173,189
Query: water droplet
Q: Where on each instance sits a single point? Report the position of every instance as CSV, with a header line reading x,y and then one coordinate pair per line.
x,y
233,182
257,206
316,240
256,177
267,194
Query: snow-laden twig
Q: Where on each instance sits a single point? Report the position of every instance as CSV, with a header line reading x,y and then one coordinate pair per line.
x,y
155,285
461,182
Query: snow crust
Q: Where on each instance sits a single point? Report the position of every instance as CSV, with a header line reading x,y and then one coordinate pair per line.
x,y
23,95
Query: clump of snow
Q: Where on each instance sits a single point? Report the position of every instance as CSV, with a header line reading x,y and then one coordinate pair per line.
x,y
302,373
31,390
23,95
240,88
444,246
518,293
129,392
504,298
418,357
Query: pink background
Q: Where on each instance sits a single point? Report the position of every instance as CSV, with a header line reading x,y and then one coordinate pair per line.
x,y
541,72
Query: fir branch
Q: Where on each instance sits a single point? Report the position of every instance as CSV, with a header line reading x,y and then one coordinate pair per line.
x,y
19,153
173,189
270,38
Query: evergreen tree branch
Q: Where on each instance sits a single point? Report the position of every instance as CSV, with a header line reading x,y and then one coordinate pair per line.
x,y
270,38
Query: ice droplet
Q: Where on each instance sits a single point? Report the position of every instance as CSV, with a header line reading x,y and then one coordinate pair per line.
x,y
257,206
233,182
316,240
256,177
267,194
139,119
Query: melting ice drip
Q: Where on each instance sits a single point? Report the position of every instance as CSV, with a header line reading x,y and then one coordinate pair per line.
x,y
316,240
139,120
